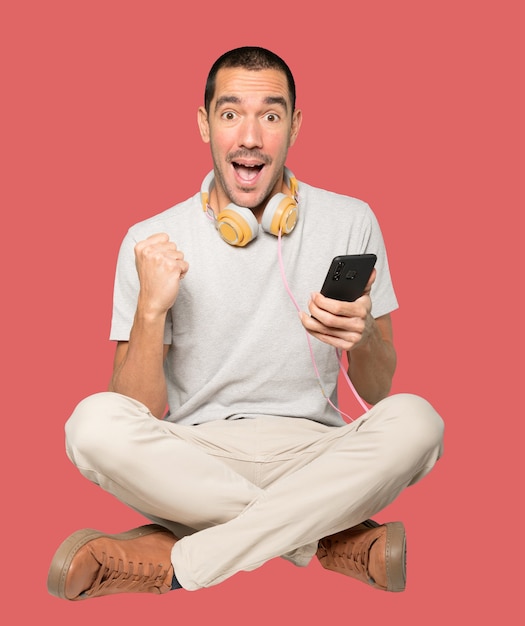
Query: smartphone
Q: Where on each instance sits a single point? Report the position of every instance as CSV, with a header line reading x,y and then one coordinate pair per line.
x,y
347,276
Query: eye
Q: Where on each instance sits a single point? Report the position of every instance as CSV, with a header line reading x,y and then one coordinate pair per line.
x,y
272,117
228,115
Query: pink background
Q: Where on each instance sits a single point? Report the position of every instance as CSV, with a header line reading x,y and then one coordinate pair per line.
x,y
415,107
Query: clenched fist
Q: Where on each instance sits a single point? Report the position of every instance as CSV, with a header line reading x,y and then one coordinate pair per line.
x,y
160,266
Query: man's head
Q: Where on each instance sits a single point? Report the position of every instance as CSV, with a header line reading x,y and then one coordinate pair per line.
x,y
249,119
249,58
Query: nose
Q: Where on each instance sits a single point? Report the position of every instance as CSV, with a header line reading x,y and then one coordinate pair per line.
x,y
250,135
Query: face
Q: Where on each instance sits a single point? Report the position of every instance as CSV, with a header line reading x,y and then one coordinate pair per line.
x,y
250,127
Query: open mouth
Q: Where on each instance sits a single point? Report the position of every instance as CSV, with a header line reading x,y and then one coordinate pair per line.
x,y
247,173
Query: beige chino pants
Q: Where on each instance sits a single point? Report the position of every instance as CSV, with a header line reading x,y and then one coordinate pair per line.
x,y
241,492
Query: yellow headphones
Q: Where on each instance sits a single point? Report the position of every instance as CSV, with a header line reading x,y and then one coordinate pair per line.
x,y
238,226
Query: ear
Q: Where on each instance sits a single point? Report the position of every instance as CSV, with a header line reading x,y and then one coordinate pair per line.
x,y
297,118
204,126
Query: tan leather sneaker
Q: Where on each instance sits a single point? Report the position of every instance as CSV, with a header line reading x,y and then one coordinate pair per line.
x,y
373,554
89,564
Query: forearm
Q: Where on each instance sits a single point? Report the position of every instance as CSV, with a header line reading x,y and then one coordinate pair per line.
x,y
140,374
372,364
138,371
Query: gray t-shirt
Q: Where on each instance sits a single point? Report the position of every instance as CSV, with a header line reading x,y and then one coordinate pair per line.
x,y
237,346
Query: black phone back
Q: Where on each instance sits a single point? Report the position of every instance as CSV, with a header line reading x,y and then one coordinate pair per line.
x,y
348,275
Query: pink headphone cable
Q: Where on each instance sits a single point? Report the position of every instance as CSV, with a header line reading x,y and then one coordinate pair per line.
x,y
338,352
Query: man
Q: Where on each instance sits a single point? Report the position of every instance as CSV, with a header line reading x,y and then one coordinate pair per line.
x,y
252,460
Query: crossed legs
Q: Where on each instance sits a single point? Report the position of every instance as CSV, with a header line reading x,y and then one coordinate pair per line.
x,y
238,493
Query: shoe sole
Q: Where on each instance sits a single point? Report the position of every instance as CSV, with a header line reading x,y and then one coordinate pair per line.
x,y
396,555
396,550
61,562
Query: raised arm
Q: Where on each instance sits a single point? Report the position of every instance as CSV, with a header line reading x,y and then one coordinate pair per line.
x,y
138,366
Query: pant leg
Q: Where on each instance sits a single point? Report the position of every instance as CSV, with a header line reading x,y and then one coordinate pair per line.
x,y
166,471
360,468
184,478
163,470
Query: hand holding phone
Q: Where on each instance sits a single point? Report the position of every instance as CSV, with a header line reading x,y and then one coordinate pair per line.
x,y
348,276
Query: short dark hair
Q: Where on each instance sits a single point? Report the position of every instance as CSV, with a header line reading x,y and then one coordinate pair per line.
x,y
250,58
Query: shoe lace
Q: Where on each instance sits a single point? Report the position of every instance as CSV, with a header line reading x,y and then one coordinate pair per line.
x,y
114,577
350,555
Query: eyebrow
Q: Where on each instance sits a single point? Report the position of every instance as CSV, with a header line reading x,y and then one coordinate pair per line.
x,y
236,100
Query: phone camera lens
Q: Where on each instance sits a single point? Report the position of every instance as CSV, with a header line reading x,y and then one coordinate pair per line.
x,y
338,270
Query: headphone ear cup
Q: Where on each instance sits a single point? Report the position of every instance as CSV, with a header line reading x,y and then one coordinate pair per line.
x,y
237,225
280,214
